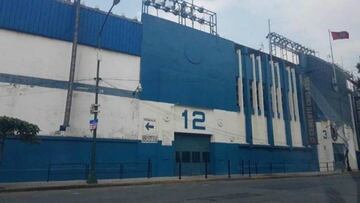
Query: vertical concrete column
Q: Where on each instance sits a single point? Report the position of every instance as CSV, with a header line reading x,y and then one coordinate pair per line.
x,y
274,93
279,93
261,87
254,86
291,94
240,83
267,99
296,101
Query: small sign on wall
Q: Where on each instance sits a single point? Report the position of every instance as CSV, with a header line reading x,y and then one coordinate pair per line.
x,y
149,139
150,134
149,127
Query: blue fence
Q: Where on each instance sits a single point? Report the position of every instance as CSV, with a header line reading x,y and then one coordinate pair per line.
x,y
64,158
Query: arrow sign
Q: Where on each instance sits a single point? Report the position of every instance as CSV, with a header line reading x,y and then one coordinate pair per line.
x,y
149,126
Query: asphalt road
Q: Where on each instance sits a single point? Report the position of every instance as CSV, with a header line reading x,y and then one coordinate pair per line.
x,y
341,188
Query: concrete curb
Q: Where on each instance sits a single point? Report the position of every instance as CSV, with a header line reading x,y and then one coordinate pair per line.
x,y
154,182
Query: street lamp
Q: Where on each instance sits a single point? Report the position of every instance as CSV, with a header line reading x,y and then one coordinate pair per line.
x,y
92,173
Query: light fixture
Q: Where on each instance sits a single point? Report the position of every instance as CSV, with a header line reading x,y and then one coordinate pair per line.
x,y
116,2
201,20
184,10
193,17
147,2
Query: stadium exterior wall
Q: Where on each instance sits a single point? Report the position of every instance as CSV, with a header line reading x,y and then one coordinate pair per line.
x,y
196,84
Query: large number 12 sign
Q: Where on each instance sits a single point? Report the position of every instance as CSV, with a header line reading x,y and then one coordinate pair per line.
x,y
197,122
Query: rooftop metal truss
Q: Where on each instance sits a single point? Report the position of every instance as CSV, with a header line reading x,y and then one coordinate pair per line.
x,y
286,46
185,11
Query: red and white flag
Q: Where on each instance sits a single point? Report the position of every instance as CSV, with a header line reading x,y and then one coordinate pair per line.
x,y
340,35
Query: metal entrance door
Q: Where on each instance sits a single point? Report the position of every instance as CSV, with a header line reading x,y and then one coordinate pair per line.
x,y
339,156
193,152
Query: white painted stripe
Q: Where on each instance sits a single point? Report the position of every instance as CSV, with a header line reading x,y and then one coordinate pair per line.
x,y
240,83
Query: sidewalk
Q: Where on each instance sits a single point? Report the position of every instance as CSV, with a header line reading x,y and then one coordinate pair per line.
x,y
81,184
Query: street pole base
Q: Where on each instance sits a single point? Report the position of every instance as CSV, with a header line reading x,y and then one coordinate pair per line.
x,y
92,179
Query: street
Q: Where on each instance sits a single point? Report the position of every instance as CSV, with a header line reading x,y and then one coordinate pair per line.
x,y
340,188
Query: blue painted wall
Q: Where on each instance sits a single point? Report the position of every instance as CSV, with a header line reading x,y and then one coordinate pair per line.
x,y
330,104
267,159
187,67
69,159
249,110
267,75
285,101
55,19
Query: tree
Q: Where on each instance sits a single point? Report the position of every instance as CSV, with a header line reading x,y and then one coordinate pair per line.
x,y
16,128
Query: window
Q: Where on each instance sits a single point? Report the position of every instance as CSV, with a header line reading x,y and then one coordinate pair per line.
x,y
265,99
277,106
258,98
196,157
271,102
294,106
251,98
237,93
185,157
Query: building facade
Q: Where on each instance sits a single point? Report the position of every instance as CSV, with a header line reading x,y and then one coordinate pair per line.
x,y
205,102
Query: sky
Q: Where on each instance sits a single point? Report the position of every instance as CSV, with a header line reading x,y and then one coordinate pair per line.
x,y
304,21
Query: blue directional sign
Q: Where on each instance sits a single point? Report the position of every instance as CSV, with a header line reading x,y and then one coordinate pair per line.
x,y
93,124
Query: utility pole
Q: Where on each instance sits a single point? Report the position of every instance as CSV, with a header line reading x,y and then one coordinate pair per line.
x,y
70,91
92,179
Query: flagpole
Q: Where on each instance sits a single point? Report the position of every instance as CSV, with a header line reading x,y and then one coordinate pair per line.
x,y
333,63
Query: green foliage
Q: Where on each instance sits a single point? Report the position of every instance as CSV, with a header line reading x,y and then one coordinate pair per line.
x,y
13,127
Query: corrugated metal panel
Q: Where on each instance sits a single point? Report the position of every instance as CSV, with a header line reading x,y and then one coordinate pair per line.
x,y
118,32
54,19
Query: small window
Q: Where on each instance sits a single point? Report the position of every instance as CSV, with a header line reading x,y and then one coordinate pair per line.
x,y
178,157
258,97
206,157
185,157
251,97
237,92
196,157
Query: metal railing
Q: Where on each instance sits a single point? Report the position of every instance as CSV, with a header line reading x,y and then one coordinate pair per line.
x,y
121,170
104,170
252,168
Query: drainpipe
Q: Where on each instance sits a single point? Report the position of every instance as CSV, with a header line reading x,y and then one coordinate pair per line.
x,y
70,91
